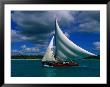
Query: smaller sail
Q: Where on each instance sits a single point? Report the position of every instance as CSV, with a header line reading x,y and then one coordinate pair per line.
x,y
49,55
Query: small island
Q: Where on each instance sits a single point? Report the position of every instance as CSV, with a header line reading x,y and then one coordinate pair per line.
x,y
37,57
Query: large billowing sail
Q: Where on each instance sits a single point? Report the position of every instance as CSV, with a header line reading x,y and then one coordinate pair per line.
x,y
66,48
49,55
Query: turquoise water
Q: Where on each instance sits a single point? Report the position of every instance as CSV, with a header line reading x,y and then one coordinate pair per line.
x,y
34,68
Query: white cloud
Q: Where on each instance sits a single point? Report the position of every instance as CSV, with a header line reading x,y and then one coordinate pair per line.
x,y
15,52
17,36
62,14
29,49
25,50
86,21
97,45
66,34
23,46
91,26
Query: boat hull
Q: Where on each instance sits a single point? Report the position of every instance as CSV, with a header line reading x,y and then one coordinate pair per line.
x,y
59,64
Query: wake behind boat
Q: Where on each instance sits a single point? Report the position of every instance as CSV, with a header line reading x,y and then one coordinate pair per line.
x,y
62,51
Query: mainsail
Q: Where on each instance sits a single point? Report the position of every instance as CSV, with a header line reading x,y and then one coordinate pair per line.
x,y
64,48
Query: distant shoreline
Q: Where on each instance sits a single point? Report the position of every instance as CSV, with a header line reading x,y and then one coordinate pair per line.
x,y
25,59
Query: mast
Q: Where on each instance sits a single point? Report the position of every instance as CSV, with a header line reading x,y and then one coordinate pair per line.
x,y
55,39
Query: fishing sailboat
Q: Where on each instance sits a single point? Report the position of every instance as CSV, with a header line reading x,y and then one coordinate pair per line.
x,y
62,51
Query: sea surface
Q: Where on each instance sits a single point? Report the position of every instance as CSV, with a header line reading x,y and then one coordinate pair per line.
x,y
34,68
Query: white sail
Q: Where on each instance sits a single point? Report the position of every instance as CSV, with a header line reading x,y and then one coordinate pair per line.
x,y
49,55
66,48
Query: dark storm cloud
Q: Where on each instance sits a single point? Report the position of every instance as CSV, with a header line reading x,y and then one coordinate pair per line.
x,y
38,26
85,16
87,21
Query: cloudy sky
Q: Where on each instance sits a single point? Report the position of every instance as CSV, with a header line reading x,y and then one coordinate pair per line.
x,y
31,31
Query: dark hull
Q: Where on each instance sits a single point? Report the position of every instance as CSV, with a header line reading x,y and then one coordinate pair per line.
x,y
60,64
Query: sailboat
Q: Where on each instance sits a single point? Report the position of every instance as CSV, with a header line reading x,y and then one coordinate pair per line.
x,y
62,51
